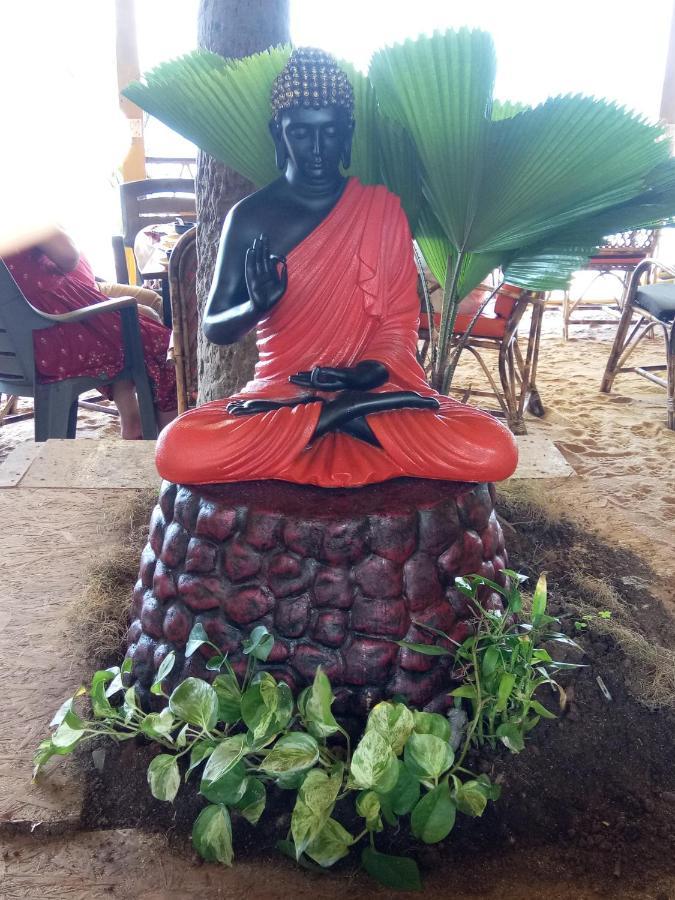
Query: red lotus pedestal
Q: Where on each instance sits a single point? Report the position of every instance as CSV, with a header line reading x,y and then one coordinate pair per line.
x,y
336,575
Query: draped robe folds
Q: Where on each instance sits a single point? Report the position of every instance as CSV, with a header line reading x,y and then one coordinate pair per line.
x,y
351,296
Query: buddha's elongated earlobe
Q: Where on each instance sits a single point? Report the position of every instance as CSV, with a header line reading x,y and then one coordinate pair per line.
x,y
280,153
346,155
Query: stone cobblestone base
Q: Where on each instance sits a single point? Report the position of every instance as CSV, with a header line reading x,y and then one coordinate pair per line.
x,y
336,575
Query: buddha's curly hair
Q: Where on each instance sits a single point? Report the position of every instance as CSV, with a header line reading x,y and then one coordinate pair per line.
x,y
311,79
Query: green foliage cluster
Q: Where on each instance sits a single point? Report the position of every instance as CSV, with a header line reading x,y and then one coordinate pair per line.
x,y
486,184
243,736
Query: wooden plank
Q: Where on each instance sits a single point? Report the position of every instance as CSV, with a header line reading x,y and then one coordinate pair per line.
x,y
91,463
17,463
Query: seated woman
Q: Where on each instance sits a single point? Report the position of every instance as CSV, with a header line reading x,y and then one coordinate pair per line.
x,y
323,267
55,278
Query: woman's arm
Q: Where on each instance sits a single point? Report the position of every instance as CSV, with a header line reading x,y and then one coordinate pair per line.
x,y
61,251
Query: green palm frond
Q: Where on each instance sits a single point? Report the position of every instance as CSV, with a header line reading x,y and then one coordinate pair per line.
x,y
549,265
220,105
365,152
545,267
485,183
506,109
557,164
433,243
400,170
439,89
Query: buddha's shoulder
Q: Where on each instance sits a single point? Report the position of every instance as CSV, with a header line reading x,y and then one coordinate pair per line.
x,y
252,209
378,192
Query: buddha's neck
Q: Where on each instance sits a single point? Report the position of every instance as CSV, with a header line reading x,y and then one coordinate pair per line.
x,y
319,194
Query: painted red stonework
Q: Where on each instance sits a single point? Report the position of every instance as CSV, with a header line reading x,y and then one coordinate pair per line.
x,y
336,575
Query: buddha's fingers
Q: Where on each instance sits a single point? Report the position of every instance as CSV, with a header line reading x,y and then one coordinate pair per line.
x,y
369,404
351,405
256,407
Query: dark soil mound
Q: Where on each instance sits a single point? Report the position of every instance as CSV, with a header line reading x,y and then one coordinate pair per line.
x,y
593,794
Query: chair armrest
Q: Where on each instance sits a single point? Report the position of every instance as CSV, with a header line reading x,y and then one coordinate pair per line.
x,y
657,264
89,312
638,272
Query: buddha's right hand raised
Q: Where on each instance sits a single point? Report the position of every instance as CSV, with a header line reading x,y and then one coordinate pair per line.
x,y
266,275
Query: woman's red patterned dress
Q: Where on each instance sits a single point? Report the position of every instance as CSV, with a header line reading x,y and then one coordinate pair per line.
x,y
86,349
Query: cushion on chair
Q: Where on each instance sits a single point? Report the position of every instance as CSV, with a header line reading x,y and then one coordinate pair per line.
x,y
658,299
489,324
486,326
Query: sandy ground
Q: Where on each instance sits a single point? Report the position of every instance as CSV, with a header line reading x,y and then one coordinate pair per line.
x,y
89,424
88,868
618,444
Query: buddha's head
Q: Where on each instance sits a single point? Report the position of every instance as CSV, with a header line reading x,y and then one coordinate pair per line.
x,y
313,119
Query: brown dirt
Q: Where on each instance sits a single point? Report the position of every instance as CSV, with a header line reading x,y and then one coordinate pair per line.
x,y
592,797
587,809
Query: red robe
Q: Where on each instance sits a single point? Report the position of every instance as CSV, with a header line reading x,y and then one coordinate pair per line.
x,y
351,296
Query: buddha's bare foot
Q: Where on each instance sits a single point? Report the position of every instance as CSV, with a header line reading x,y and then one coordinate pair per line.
x,y
254,407
353,406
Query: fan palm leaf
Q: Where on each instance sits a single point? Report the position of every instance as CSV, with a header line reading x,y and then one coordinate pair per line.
x,y
485,184
512,186
549,265
220,105
557,164
439,89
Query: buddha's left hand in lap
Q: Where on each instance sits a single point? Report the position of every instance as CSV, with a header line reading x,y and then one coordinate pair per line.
x,y
365,376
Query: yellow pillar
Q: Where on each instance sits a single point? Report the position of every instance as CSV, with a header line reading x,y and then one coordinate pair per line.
x,y
128,69
668,93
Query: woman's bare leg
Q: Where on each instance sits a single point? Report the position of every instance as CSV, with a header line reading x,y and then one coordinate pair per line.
x,y
130,417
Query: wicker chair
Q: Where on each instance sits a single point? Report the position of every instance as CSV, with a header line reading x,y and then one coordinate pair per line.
x,y
654,305
498,332
617,258
185,317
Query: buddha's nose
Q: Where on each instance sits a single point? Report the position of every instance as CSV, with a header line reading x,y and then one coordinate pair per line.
x,y
316,148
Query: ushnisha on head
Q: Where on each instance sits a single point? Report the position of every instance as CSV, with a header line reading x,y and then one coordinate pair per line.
x,y
313,121
311,79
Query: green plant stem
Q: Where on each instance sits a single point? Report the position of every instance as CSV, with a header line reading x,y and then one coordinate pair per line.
x,y
433,340
448,316
349,746
449,373
477,714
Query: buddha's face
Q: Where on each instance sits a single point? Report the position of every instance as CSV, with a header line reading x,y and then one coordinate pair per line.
x,y
314,142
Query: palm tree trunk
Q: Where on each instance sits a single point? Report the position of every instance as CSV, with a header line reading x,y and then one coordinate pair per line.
x,y
233,28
